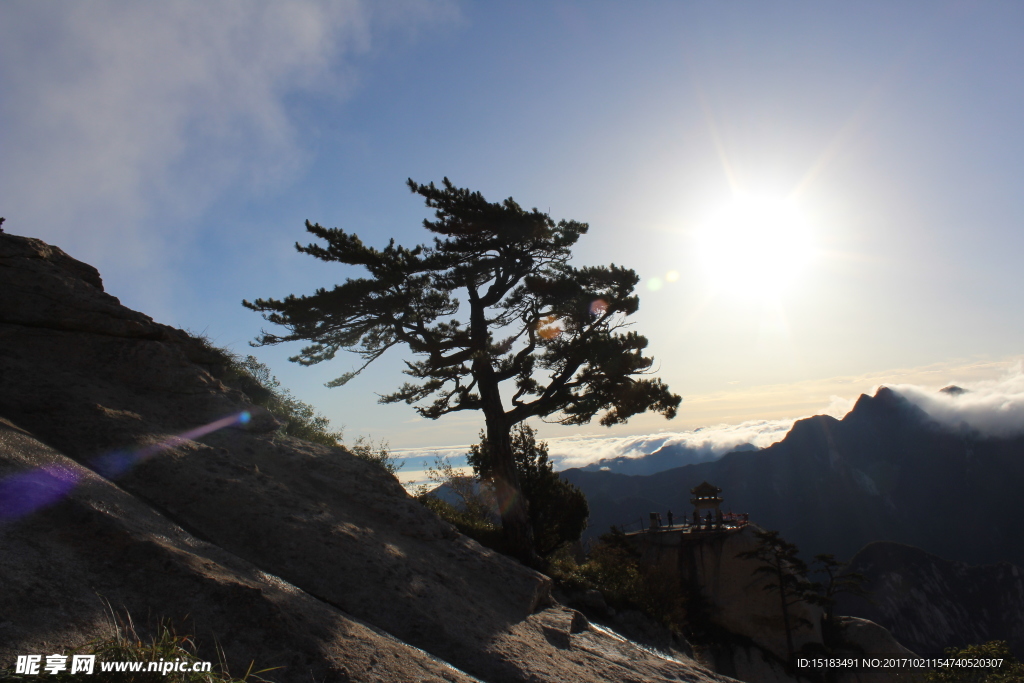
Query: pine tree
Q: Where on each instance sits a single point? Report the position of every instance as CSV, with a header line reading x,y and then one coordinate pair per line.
x,y
788,577
553,331
838,581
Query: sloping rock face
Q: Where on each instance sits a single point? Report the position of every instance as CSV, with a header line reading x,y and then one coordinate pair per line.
x,y
100,548
886,471
930,603
288,553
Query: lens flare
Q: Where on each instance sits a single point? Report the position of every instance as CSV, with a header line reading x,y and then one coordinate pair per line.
x,y
505,508
25,492
598,307
113,465
549,327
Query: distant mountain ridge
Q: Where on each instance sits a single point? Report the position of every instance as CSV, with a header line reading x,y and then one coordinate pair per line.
x,y
886,471
667,457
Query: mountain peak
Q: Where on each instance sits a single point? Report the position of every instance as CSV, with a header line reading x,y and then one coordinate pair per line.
x,y
886,410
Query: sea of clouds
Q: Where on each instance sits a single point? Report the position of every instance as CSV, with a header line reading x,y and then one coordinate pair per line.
x,y
992,408
706,443
702,444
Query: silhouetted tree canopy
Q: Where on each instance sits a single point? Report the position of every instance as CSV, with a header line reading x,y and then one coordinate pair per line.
x,y
838,580
529,319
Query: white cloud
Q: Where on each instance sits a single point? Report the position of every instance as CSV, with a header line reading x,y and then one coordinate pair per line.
x,y
117,115
707,443
578,451
993,407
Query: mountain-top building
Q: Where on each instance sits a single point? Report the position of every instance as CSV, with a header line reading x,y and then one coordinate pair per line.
x,y
706,497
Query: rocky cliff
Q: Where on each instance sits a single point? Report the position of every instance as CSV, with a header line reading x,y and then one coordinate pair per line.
x,y
930,603
743,608
731,585
132,479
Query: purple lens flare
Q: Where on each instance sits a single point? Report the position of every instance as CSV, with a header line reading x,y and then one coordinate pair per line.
x,y
25,492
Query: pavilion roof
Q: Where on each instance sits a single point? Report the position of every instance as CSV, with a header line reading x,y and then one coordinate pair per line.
x,y
704,489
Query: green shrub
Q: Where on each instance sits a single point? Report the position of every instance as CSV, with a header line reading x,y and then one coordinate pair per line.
x,y
480,529
379,454
253,378
613,568
473,517
1011,671
301,420
558,511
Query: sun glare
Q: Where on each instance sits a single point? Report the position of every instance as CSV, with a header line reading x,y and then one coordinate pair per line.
x,y
755,246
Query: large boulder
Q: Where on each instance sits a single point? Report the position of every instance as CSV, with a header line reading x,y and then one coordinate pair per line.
x,y
99,556
132,474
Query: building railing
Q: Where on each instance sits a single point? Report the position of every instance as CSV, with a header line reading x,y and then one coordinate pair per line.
x,y
729,520
630,527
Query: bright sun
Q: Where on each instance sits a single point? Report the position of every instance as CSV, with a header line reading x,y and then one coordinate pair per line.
x,y
755,246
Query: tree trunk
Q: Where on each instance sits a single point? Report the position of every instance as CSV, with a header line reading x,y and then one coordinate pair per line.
x,y
515,520
785,611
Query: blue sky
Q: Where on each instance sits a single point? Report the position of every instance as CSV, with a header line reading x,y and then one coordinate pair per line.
x,y
179,147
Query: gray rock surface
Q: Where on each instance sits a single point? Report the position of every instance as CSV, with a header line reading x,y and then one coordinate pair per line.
x,y
931,603
752,646
287,553
732,586
65,567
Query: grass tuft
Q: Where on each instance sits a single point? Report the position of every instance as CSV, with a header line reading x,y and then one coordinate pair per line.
x,y
126,645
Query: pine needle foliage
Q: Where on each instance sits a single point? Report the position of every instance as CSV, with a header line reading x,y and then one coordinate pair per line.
x,y
837,581
555,333
787,574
